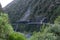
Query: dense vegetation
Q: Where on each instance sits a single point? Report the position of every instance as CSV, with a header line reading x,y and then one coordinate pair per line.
x,y
47,31
6,30
37,10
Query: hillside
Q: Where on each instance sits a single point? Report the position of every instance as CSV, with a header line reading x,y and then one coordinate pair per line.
x,y
30,20
33,10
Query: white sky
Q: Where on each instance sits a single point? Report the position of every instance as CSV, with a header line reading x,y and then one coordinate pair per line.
x,y
5,2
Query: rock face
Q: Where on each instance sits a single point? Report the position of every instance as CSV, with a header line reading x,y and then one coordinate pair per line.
x,y
34,10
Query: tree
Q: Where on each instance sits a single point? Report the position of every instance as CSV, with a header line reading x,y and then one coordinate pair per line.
x,y
48,31
57,21
45,34
17,36
5,27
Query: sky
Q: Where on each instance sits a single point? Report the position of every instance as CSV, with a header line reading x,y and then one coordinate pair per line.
x,y
5,2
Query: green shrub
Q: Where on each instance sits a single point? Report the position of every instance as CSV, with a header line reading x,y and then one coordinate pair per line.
x,y
5,27
57,21
17,36
45,34
6,30
55,28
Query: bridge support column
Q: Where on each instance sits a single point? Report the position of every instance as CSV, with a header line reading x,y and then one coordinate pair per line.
x,y
16,27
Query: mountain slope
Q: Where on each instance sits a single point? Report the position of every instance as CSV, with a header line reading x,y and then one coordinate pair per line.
x,y
38,10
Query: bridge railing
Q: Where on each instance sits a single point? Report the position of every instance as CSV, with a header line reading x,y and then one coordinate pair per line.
x,y
25,25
